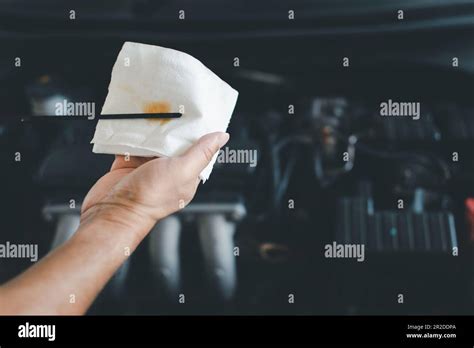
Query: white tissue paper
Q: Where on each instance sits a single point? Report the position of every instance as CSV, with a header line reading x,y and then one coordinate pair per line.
x,y
153,79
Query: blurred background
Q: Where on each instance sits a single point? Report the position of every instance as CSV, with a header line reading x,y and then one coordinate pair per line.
x,y
255,235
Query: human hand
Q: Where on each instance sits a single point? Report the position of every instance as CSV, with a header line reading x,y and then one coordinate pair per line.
x,y
138,192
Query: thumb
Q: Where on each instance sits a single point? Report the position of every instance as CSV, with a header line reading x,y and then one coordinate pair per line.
x,y
200,154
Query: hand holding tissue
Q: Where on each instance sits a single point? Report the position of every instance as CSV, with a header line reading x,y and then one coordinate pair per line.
x,y
153,79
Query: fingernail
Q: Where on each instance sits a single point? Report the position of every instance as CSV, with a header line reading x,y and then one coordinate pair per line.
x,y
222,139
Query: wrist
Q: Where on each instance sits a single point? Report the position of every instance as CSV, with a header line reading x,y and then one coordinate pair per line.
x,y
118,219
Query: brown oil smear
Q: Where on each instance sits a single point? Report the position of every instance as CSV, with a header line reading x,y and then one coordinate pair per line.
x,y
157,107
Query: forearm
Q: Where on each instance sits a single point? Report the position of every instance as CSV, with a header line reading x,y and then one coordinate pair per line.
x,y
68,279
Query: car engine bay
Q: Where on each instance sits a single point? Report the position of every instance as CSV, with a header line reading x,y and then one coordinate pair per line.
x,y
323,167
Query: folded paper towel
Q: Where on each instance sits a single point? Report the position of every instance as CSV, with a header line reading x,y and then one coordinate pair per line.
x,y
153,79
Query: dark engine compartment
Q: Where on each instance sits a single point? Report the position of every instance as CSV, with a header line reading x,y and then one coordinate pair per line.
x,y
330,168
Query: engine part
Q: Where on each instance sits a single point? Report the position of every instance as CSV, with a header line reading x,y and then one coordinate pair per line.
x,y
385,231
217,240
164,254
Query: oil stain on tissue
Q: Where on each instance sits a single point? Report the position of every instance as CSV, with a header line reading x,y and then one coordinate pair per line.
x,y
157,107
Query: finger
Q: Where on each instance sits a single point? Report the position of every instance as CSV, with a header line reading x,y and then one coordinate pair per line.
x,y
129,162
201,153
